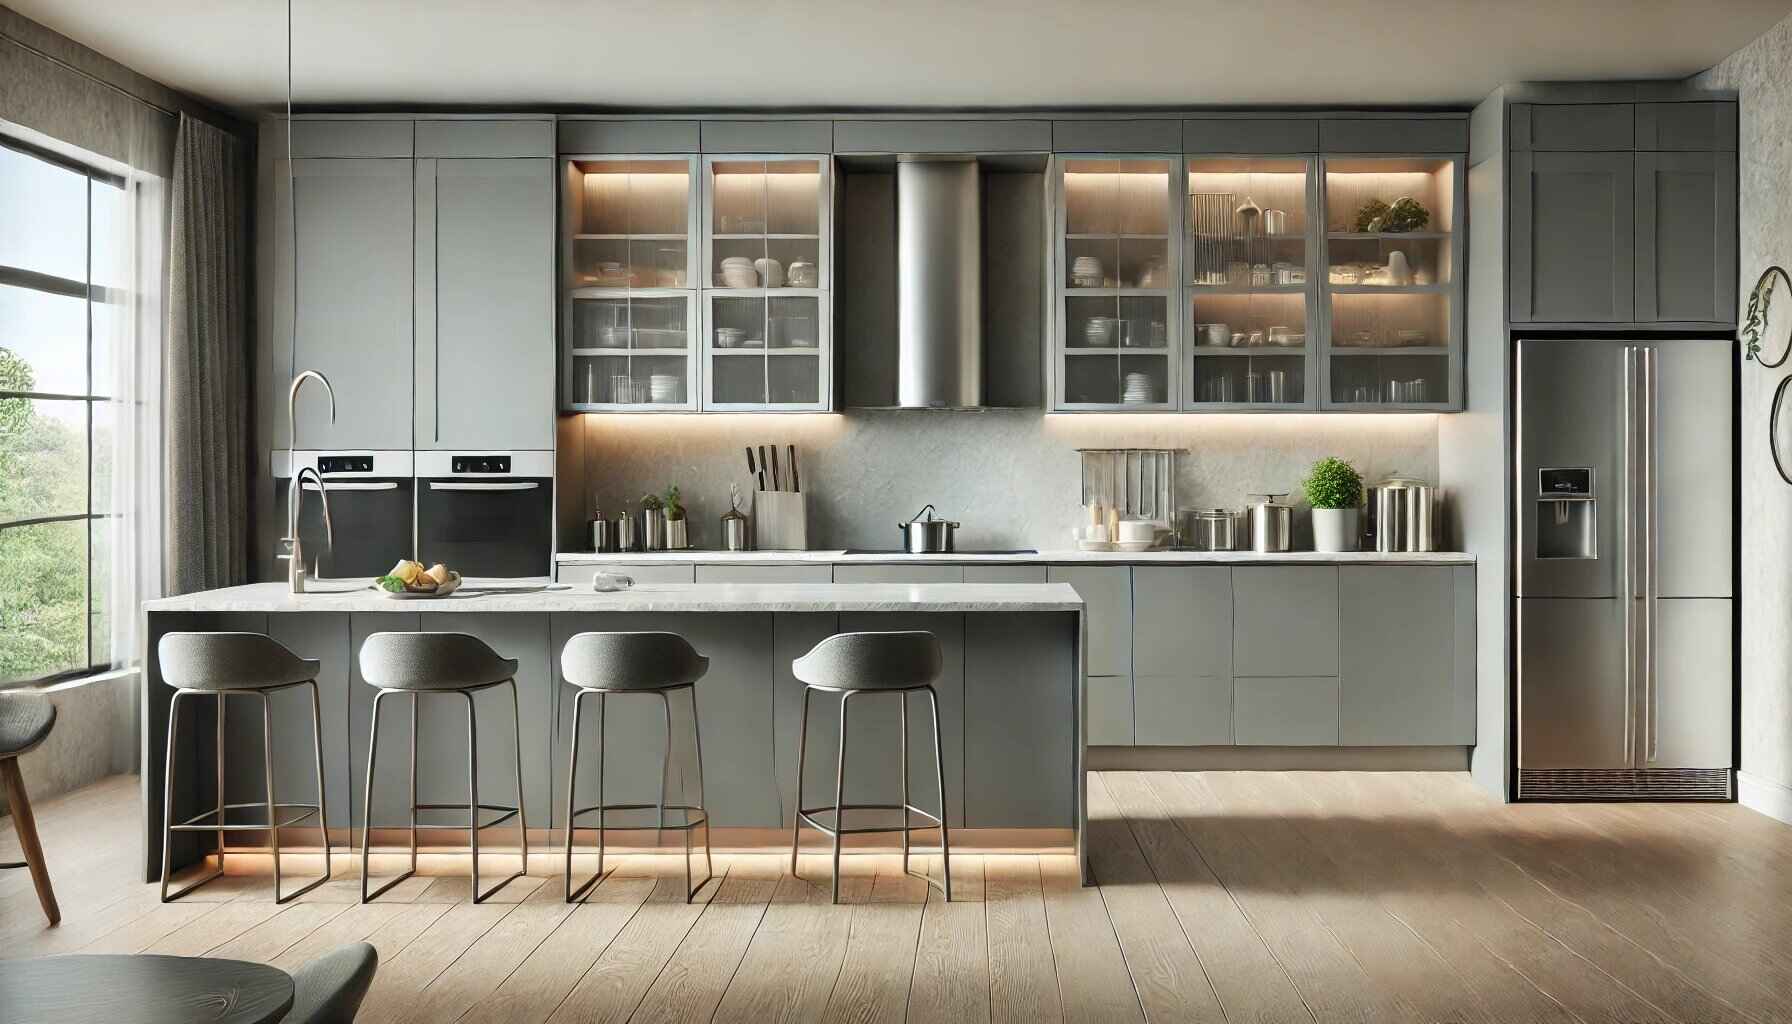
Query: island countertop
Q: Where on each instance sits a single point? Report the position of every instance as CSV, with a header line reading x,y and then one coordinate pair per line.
x,y
538,596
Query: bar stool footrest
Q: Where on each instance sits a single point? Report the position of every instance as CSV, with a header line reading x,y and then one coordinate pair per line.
x,y
194,824
695,817
928,823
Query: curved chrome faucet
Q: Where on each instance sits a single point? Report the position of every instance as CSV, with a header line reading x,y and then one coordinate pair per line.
x,y
295,567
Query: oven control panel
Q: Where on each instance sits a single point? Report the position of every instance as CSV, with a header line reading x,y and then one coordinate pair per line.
x,y
480,464
328,464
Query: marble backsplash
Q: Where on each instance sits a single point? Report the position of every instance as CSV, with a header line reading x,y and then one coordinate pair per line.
x,y
1011,477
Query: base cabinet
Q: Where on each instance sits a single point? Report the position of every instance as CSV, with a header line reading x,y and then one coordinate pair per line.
x,y
1398,653
1285,712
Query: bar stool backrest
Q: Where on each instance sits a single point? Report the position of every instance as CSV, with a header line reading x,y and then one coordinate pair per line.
x,y
432,661
631,661
872,661
229,661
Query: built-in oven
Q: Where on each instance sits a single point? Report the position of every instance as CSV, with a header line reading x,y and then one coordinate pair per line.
x,y
486,513
370,496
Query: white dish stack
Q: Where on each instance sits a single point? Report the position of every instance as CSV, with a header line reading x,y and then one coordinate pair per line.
x,y
739,272
1138,389
662,388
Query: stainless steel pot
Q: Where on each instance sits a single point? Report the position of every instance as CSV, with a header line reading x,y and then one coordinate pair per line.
x,y
1403,516
1272,524
1209,529
926,535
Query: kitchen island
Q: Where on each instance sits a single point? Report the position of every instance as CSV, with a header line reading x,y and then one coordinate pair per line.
x,y
1011,694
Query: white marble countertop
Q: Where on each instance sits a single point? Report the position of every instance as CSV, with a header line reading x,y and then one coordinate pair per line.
x,y
539,596
1063,557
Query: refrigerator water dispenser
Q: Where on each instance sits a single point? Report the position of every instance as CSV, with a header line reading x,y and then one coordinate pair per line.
x,y
1567,513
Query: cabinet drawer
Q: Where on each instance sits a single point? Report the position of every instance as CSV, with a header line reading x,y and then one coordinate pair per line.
x,y
1295,712
1107,596
1182,710
1569,127
768,136
1004,574
1142,135
1686,126
628,137
652,572
1110,711
898,574
1253,135
1182,621
485,138
1285,621
1399,683
765,574
1394,135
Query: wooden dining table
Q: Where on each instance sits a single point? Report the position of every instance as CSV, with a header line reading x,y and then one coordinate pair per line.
x,y
141,990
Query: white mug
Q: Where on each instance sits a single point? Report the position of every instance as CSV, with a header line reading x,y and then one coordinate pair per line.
x,y
771,272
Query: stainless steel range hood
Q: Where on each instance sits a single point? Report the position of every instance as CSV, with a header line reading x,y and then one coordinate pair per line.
x,y
939,284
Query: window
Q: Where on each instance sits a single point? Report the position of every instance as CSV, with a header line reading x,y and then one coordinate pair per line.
x,y
64,268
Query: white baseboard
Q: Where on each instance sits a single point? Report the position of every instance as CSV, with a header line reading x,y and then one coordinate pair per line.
x,y
1764,795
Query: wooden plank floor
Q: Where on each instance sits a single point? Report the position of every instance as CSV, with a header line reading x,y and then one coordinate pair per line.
x,y
1225,897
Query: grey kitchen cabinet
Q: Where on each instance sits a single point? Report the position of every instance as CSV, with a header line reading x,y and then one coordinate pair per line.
x,y
1401,135
969,135
1182,655
1005,574
1285,621
1286,712
645,572
1699,126
1686,237
1688,714
1268,136
352,138
1111,711
354,301
768,136
726,573
484,363
485,138
1117,135
599,136
1571,127
1106,591
1400,681
1573,237
898,574
1019,707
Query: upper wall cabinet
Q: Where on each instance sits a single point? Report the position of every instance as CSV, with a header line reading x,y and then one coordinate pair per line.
x,y
1623,214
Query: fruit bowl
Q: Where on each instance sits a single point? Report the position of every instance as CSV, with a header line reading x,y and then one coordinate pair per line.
x,y
409,581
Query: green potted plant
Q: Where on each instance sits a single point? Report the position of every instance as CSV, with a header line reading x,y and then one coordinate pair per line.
x,y
1334,489
676,537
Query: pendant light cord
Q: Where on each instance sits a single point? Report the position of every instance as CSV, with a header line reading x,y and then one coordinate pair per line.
x,y
292,210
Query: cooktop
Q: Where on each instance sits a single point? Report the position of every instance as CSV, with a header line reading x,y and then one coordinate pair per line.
x,y
892,551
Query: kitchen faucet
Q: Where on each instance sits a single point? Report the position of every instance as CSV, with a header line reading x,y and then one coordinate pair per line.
x,y
295,568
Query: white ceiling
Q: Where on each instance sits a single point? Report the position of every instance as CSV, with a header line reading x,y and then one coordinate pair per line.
x,y
900,53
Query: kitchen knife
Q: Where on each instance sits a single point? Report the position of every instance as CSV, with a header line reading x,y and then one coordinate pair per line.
x,y
796,483
777,484
752,470
762,466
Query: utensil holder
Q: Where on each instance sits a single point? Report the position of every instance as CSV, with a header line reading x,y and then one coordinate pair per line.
x,y
780,521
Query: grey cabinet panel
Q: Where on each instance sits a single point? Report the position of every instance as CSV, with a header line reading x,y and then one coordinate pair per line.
x,y
950,136
356,138
1182,621
1573,234
354,299
1573,126
1686,126
1107,593
1141,135
1690,705
1398,681
898,574
768,136
322,636
1020,715
1466,679
485,138
1394,135
577,136
649,572
1110,711
1291,712
1004,574
1182,710
485,311
1686,237
821,573
1285,621
1250,135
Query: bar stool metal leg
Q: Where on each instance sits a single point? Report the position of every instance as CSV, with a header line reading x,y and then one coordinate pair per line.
x,y
840,793
796,810
473,808
572,789
170,766
373,750
902,705
317,750
939,767
603,748
522,814
413,790
709,867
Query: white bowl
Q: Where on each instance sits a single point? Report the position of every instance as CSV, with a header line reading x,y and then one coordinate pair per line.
x,y
1136,545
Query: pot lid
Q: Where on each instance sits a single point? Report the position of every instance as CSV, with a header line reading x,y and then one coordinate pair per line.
x,y
1402,483
1210,513
1269,499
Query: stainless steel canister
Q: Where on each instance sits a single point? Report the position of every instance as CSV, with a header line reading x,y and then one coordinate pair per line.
x,y
653,529
1209,529
603,533
1403,515
734,531
625,533
1272,524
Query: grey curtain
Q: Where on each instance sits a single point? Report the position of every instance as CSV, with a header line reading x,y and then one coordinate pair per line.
x,y
206,373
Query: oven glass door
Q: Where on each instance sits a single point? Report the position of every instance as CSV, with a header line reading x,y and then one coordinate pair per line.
x,y
371,520
498,527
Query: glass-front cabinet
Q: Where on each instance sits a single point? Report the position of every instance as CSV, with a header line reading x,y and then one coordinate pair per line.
x,y
1393,283
629,276
1118,261
766,274
1250,305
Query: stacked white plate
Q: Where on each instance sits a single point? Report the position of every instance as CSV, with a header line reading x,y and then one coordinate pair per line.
x,y
739,272
663,387
1138,389
1085,272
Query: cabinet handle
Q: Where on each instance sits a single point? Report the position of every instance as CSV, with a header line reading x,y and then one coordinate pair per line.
x,y
528,485
355,485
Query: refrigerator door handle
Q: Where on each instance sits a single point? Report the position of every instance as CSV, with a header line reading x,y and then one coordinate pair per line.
x,y
1627,509
1651,551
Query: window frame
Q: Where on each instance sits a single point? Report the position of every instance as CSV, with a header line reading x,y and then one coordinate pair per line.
x,y
90,293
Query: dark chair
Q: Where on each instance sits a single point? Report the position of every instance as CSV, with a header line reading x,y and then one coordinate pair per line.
x,y
25,721
329,990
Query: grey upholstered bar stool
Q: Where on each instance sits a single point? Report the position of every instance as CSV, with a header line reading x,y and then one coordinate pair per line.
x,y
440,664
612,664
25,721
222,665
852,665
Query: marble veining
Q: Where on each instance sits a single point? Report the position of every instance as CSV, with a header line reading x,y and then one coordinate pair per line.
x,y
839,557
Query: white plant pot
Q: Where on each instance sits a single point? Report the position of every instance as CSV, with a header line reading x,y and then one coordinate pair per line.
x,y
1334,529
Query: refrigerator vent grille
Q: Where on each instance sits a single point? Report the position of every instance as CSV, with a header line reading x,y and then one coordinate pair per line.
x,y
1624,784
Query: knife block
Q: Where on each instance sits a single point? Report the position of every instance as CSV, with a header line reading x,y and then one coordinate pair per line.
x,y
780,521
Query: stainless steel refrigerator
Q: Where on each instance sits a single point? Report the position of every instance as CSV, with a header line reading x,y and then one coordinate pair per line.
x,y
1625,512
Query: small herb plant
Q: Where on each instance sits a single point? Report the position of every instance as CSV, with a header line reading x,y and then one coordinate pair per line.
x,y
650,502
674,505
1333,483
